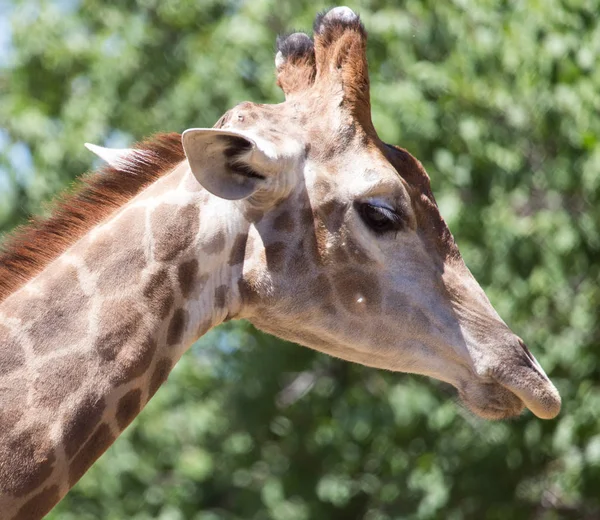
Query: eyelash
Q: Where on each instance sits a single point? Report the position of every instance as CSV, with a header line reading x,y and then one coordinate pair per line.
x,y
389,220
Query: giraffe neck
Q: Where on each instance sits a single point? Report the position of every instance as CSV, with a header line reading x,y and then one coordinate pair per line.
x,y
88,342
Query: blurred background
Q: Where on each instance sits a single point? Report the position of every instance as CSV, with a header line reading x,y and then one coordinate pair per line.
x,y
500,101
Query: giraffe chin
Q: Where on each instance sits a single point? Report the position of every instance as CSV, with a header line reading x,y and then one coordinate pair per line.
x,y
491,401
506,395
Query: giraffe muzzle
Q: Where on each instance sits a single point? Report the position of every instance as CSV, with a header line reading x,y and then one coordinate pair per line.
x,y
524,377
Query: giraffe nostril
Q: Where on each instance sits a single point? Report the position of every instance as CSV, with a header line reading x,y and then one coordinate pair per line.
x,y
532,362
527,352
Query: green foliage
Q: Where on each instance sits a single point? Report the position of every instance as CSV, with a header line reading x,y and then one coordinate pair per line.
x,y
500,100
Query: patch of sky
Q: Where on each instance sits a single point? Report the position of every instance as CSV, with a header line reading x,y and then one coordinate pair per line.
x,y
113,45
21,160
5,34
118,139
5,184
5,181
222,340
16,164
67,6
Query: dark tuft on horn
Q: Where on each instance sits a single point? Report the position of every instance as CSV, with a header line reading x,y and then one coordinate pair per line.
x,y
330,27
294,45
295,63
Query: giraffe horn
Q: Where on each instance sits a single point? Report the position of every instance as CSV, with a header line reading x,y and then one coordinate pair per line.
x,y
113,156
295,63
340,51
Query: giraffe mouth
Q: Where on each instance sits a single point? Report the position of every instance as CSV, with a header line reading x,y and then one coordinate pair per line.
x,y
534,389
508,389
505,389
491,400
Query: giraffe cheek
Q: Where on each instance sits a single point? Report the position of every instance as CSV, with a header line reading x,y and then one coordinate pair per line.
x,y
358,291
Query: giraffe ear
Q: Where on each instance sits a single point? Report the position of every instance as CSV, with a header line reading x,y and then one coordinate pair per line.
x,y
228,164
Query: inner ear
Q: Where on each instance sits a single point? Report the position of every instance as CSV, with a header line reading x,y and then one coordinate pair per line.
x,y
221,162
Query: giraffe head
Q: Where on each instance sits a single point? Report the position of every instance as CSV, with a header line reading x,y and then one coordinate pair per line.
x,y
346,250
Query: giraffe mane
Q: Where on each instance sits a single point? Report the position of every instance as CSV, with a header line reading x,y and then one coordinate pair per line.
x,y
25,252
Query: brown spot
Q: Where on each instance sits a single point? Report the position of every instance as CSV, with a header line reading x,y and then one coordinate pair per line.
x,y
176,327
133,361
308,244
328,207
39,505
253,215
304,253
59,378
27,460
357,253
96,445
284,222
306,217
275,254
238,250
323,288
13,402
56,312
118,256
174,229
128,408
221,296
80,422
12,355
345,137
186,275
269,116
322,188
332,214
215,244
353,285
248,290
159,292
118,324
159,376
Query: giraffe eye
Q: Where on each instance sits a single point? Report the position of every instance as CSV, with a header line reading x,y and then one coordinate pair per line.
x,y
379,218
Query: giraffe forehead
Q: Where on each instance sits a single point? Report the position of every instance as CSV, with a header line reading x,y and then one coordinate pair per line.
x,y
354,176
327,127
343,162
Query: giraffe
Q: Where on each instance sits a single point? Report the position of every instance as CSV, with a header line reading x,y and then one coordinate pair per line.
x,y
294,216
